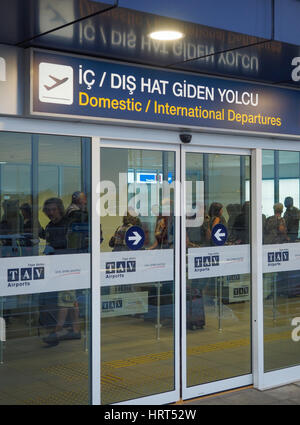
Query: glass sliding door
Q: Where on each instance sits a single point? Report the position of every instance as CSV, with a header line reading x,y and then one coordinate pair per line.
x,y
281,253
217,301
45,269
138,228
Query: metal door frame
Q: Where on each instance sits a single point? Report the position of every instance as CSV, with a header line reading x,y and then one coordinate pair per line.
x,y
221,385
97,144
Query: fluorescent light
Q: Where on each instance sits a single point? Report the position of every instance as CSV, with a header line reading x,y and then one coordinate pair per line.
x,y
166,35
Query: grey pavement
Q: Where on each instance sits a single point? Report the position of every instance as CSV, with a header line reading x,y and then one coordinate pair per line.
x,y
284,395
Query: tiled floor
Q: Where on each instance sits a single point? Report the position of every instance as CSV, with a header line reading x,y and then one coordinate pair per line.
x,y
284,395
137,362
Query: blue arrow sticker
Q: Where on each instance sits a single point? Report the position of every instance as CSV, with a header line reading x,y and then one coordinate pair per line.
x,y
219,234
135,238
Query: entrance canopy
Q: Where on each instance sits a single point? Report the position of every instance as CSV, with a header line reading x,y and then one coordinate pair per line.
x,y
252,40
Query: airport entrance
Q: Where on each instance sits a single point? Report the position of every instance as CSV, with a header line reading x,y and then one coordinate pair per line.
x,y
125,270
126,267
144,204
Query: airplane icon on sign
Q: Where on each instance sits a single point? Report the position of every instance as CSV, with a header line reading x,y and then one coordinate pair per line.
x,y
57,83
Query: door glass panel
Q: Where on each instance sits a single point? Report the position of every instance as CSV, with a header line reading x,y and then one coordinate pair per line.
x,y
137,273
44,287
218,291
281,251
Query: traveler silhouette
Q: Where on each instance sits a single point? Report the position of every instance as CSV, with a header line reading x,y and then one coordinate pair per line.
x,y
64,302
240,230
215,214
275,230
77,223
117,241
291,217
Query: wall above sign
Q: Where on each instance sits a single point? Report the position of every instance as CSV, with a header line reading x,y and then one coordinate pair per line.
x,y
78,87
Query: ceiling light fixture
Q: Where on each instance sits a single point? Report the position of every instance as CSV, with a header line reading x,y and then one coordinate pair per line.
x,y
166,35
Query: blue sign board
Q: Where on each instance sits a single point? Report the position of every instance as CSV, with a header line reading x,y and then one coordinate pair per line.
x,y
73,86
219,234
135,237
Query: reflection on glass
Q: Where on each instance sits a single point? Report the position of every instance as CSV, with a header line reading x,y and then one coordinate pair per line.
x,y
281,274
44,214
137,316
218,305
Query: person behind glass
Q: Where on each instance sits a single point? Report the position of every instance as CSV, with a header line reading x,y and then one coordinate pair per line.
x,y
11,226
233,211
77,217
66,303
28,229
56,229
291,217
240,230
164,239
78,205
195,309
275,230
117,241
215,217
164,227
